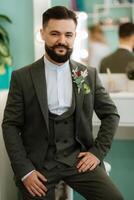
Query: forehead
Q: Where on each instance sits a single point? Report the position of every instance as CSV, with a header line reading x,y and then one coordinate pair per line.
x,y
63,25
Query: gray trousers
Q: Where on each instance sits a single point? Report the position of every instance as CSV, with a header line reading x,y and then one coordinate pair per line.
x,y
93,185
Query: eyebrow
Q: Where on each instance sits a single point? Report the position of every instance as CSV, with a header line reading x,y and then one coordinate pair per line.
x,y
55,31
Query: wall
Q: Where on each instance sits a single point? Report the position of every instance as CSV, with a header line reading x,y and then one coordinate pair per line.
x,y
8,190
39,7
20,31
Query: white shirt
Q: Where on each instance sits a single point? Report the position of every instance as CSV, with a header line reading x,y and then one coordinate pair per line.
x,y
59,89
59,86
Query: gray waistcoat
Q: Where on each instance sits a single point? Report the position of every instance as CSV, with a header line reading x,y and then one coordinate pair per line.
x,y
62,144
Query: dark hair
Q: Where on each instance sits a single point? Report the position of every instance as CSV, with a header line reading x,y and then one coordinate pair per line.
x,y
126,30
58,12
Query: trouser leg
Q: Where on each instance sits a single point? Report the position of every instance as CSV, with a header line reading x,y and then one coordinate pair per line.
x,y
52,179
93,185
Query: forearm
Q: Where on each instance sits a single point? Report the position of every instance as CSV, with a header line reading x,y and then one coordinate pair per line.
x,y
107,112
105,136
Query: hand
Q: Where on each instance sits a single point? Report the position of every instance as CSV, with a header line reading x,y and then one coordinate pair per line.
x,y
89,161
34,184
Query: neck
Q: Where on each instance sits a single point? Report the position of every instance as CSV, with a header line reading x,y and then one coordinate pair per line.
x,y
126,43
47,56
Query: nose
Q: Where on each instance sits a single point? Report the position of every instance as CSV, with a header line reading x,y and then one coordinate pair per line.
x,y
62,39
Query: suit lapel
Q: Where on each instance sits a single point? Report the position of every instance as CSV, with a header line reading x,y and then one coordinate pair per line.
x,y
39,81
38,76
79,97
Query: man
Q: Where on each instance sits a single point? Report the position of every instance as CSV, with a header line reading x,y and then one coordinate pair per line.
x,y
47,125
118,60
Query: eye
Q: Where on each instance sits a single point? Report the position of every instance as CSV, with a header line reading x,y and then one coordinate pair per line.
x,y
69,35
54,34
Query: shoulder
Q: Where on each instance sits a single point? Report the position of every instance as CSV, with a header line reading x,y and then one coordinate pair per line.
x,y
24,70
83,67
109,57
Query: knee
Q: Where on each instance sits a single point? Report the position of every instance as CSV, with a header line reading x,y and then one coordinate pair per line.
x,y
118,196
115,195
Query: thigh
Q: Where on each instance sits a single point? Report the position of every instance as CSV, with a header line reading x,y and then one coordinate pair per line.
x,y
93,185
52,179
27,196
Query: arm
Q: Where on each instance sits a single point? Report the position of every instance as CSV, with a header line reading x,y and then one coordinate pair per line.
x,y
12,125
102,68
107,113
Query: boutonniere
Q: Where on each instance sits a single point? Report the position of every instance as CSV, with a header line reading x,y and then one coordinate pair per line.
x,y
79,78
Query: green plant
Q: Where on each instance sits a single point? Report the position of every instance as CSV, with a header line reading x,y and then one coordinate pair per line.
x,y
5,56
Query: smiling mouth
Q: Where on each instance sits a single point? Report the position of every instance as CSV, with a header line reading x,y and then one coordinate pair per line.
x,y
61,49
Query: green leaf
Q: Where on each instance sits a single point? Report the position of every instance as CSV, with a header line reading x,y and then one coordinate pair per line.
x,y
86,88
8,60
4,50
2,70
5,57
5,18
4,35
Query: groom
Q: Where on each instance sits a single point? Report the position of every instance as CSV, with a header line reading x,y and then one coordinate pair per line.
x,y
47,125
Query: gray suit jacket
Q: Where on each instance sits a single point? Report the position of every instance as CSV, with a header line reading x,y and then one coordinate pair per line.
x,y
25,124
117,61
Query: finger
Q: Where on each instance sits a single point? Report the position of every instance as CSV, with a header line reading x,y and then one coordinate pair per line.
x,y
81,169
39,189
30,191
86,168
89,164
41,185
35,191
83,160
81,154
93,167
41,176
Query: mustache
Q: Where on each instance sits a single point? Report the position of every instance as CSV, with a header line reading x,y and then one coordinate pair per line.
x,y
61,45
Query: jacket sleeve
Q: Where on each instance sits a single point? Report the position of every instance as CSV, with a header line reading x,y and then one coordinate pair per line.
x,y
12,125
102,68
106,111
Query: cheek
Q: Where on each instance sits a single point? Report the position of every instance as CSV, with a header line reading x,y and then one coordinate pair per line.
x,y
50,41
71,43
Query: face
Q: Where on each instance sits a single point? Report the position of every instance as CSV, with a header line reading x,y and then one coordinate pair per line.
x,y
59,38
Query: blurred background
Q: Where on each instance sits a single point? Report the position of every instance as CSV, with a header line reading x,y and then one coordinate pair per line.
x,y
97,38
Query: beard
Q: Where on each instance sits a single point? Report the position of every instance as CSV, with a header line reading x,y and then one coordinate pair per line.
x,y
57,57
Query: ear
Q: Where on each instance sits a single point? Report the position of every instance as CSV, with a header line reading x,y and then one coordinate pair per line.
x,y
75,34
42,33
